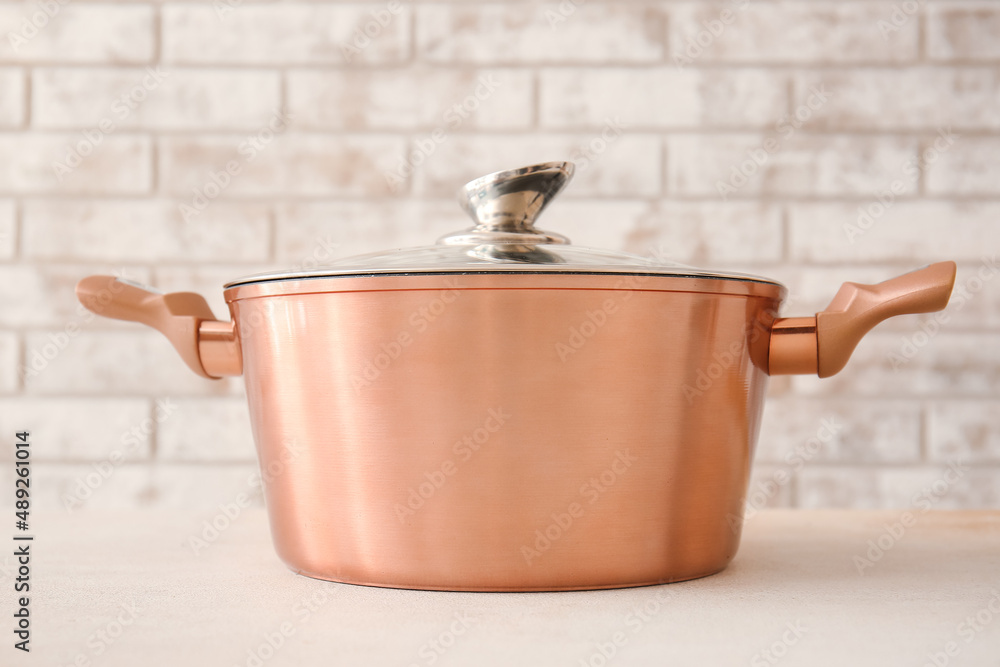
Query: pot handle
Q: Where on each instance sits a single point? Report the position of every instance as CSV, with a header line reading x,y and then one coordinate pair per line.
x,y
823,344
209,347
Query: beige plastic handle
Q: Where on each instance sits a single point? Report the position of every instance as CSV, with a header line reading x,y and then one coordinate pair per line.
x,y
823,344
209,347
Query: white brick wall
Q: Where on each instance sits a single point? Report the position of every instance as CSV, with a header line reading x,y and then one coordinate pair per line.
x,y
78,33
113,114
11,97
160,98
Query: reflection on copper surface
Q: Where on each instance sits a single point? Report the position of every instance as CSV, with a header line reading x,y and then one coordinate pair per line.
x,y
335,514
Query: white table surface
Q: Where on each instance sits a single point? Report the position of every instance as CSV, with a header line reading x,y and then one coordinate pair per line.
x,y
795,569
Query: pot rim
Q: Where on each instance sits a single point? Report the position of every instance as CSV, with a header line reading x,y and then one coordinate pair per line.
x,y
500,279
690,272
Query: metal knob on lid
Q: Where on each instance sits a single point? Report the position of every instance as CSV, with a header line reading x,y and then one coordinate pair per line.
x,y
505,204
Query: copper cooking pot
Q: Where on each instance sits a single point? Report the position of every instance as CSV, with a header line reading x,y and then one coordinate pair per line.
x,y
504,411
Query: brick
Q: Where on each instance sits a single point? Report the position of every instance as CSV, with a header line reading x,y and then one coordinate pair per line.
x,y
899,488
310,235
692,233
9,360
965,32
770,487
143,230
206,280
42,295
711,234
800,33
528,33
122,363
821,487
162,98
143,485
964,430
797,164
216,429
44,163
977,488
969,167
799,432
617,224
411,98
11,97
662,97
813,287
625,165
914,98
80,429
295,33
908,232
8,229
290,164
79,33
887,364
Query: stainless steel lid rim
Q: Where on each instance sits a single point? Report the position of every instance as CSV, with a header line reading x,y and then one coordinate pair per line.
x,y
268,278
505,280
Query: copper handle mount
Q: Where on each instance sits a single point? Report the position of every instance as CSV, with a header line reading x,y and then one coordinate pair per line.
x,y
208,346
818,345
823,344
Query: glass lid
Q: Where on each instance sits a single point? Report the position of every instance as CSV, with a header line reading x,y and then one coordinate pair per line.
x,y
504,205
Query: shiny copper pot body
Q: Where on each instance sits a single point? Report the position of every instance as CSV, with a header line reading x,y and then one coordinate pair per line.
x,y
505,432
509,413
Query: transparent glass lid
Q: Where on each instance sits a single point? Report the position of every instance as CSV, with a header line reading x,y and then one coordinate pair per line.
x,y
504,205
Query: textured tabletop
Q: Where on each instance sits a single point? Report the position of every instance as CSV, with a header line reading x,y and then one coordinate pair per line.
x,y
807,587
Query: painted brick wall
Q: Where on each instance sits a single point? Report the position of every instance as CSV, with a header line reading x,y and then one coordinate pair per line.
x,y
811,141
